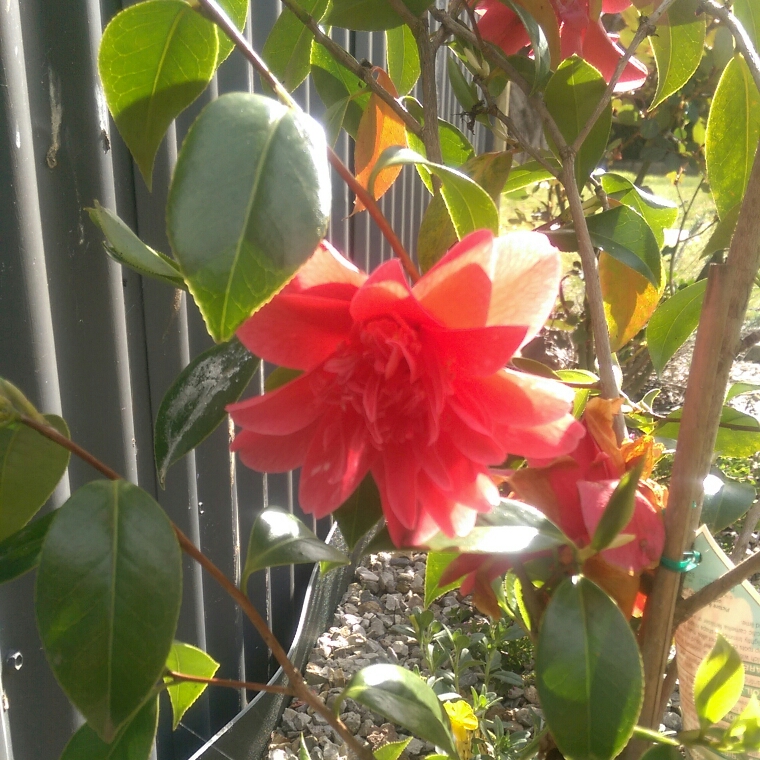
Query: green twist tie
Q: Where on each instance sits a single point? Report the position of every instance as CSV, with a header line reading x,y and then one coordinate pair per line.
x,y
689,562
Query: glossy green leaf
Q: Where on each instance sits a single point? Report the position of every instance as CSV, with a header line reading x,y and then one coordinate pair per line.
x,y
588,672
403,58
729,442
435,565
469,206
673,322
748,13
360,512
571,96
392,750
721,237
660,214
30,467
279,538
529,173
538,41
124,246
733,127
287,50
739,389
155,58
369,15
677,45
619,510
226,216
20,552
195,404
107,644
133,742
404,698
190,661
743,735
627,237
718,683
724,504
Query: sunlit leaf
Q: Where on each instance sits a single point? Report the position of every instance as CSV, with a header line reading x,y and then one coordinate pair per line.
x,y
743,735
721,237
393,750
369,15
435,565
748,14
718,683
730,442
403,58
528,174
190,661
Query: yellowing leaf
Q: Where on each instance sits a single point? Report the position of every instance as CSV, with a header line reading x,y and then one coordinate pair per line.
x,y
629,299
379,128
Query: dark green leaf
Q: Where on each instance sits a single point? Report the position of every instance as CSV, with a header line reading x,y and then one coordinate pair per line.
x,y
465,92
393,750
627,237
723,233
673,322
244,214
124,246
571,96
733,127
662,752
360,512
435,565
404,698
529,173
195,404
729,443
588,672
718,683
677,45
538,41
190,661
30,467
659,213
133,742
369,15
279,538
619,510
725,502
20,552
343,93
155,58
469,206
107,643
287,50
403,58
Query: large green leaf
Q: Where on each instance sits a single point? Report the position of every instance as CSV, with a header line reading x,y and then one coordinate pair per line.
x,y
30,467
571,96
345,95
733,127
190,661
287,50
360,512
404,698
20,552
659,213
588,672
673,322
133,742
725,502
469,205
195,404
677,46
435,565
155,58
124,246
729,442
244,214
403,58
279,538
369,15
109,587
718,683
627,237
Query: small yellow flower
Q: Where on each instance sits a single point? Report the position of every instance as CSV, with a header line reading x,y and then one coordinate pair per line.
x,y
463,723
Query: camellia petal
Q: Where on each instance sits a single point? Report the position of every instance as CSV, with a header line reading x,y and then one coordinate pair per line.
x,y
604,55
273,453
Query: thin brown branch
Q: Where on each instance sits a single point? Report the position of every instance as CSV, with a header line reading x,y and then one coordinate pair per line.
x,y
715,590
229,684
668,684
219,17
749,340
748,528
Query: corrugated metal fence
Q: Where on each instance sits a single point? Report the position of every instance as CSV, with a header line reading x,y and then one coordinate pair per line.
x,y
99,345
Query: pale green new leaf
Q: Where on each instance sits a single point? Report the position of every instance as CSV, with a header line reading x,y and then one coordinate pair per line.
x,y
718,682
190,661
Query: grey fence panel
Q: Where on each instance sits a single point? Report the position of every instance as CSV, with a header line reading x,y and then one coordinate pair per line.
x,y
101,345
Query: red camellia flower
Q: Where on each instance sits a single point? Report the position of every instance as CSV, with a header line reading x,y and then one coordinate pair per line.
x,y
408,383
573,492
575,29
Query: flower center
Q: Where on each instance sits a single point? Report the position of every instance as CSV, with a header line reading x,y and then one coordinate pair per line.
x,y
385,375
